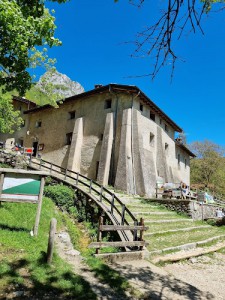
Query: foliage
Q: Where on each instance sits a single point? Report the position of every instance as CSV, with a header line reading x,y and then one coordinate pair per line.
x,y
10,119
209,166
24,25
62,195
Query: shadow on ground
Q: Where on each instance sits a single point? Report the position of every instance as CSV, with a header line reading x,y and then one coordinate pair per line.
x,y
156,284
23,284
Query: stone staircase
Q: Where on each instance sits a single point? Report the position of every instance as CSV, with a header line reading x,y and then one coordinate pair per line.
x,y
171,234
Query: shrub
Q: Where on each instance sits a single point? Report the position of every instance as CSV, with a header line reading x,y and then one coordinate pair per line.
x,y
62,195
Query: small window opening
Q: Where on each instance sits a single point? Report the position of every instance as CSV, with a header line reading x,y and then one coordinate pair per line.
x,y
178,158
72,115
108,103
185,163
101,137
152,116
151,140
141,107
38,124
166,128
166,146
69,138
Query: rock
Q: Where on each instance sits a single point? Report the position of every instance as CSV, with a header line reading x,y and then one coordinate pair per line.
x,y
73,252
61,84
193,260
18,293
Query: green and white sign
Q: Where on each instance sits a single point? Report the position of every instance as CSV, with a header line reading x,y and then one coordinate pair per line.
x,y
17,185
21,187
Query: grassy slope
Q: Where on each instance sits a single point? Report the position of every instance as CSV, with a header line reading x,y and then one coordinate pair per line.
x,y
22,257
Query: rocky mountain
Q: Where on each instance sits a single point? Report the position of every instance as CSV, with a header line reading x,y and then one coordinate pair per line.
x,y
53,82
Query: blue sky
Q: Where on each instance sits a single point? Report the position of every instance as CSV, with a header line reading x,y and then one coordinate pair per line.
x,y
94,51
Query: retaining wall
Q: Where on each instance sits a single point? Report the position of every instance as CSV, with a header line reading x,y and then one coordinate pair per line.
x,y
192,208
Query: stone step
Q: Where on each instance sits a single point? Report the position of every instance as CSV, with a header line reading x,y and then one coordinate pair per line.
x,y
189,245
168,221
176,230
186,254
153,213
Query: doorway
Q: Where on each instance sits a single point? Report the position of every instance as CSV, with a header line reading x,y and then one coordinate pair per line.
x,y
35,148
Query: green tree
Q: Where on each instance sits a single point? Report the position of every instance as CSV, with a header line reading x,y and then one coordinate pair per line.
x,y
208,167
10,119
24,25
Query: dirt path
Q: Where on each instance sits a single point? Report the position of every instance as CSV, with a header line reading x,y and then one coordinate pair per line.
x,y
157,284
150,281
205,273
66,251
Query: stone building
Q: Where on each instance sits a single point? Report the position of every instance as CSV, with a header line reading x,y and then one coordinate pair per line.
x,y
114,134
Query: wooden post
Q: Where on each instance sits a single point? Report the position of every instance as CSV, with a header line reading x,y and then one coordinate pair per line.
x,y
141,232
99,236
101,191
40,165
77,179
135,231
51,240
123,214
1,184
65,174
90,186
112,203
37,220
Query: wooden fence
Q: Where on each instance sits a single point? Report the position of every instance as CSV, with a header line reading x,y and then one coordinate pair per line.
x,y
137,241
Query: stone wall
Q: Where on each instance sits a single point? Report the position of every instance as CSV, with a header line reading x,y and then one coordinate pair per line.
x,y
191,208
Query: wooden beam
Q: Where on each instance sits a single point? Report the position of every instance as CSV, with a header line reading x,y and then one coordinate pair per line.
x,y
122,227
117,244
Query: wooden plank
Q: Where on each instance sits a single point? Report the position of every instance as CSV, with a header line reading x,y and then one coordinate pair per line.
x,y
37,219
117,244
20,171
122,227
18,200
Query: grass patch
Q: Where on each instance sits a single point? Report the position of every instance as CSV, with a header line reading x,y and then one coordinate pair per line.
x,y
22,258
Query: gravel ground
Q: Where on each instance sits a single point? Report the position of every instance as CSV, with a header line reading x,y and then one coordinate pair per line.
x,y
206,273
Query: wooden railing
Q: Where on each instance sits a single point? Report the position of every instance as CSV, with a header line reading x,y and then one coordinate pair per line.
x,y
137,241
114,207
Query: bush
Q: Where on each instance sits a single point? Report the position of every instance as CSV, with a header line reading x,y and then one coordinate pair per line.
x,y
62,195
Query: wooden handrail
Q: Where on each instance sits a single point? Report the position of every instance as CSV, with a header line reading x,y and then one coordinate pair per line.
x,y
91,184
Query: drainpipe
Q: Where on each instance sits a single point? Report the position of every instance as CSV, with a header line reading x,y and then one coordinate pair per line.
x,y
132,146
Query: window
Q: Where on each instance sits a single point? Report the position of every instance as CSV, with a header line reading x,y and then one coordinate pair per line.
x,y
151,139
178,159
152,116
185,163
166,128
69,138
101,137
141,107
108,103
38,124
166,148
72,115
